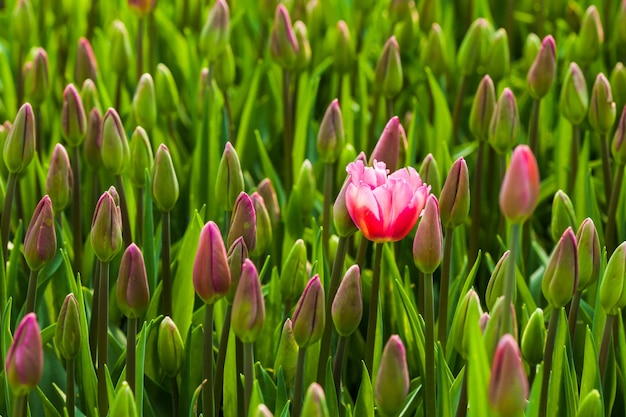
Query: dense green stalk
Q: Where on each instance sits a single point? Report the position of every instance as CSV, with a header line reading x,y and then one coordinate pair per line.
x,y
20,406
373,311
175,396
573,315
70,396
610,225
140,47
547,361
95,308
338,365
461,409
458,105
118,92
221,359
509,282
533,128
139,217
298,383
207,369
126,230
361,252
430,386
329,169
240,370
77,225
5,223
103,319
442,333
476,202
31,296
248,364
38,134
131,353
606,166
165,261
288,122
574,151
604,346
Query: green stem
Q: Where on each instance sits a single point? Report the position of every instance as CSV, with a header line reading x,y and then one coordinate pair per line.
x,y
361,252
20,406
328,201
509,282
547,361
103,319
371,136
126,230
287,128
31,296
442,332
240,370
248,364
461,410
131,353
207,390
610,225
606,166
389,108
458,105
221,359
70,396
533,128
298,383
604,347
476,203
77,226
95,308
140,47
573,315
175,396
165,264
20,76
335,279
38,132
139,217
373,312
574,150
118,92
92,19
5,223
430,386
338,365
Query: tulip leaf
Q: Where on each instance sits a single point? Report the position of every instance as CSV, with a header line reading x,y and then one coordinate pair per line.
x,y
268,168
590,378
5,341
558,359
243,132
330,390
194,401
413,402
570,386
478,369
148,237
444,383
231,380
266,386
416,325
194,346
364,406
14,263
282,397
140,365
621,351
48,408
255,399
442,128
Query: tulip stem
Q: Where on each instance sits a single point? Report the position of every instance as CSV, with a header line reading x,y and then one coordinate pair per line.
x,y
103,318
126,231
533,128
361,251
335,278
298,383
338,365
140,47
573,314
20,405
476,203
606,166
373,312
6,213
69,387
165,261
442,333
31,296
95,308
131,353
604,347
430,386
328,191
118,92
175,396
140,214
610,225
547,360
287,127
207,390
576,132
38,135
221,359
509,282
456,115
461,409
77,226
248,364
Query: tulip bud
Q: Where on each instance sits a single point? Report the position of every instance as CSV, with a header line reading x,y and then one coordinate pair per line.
x,y
590,37
435,53
532,45
498,61
283,43
534,338
309,316
120,52
429,173
560,278
266,190
619,140
248,314
36,79
347,308
303,58
305,184
520,187
89,96
164,182
263,225
287,355
498,327
588,254
344,225
67,334
574,100
166,91
591,405
133,293
483,321
24,361
427,245
330,138
474,48
124,403
618,84
602,108
454,201
314,404
468,307
59,181
541,74
225,69
106,228
388,78
40,242
293,274
343,52
237,254
73,119
114,150
19,147
482,109
22,22
263,411
211,274
86,64
144,102
170,347
229,181
387,148
141,7
563,215
243,222
508,385
115,195
504,127
140,157
92,146
612,289
392,381
495,287
215,33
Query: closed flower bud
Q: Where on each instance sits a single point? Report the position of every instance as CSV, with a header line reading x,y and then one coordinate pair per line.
x,y
229,181
498,61
429,173
309,316
164,181
19,147
106,228
166,90
498,327
73,119
36,79
534,338
560,278
67,335
532,45
520,187
574,100
347,308
307,187
303,58
591,405
266,190
86,64
243,222
22,22
263,411
612,289
237,254
92,147
388,78
618,85
248,314
114,150
133,293
293,274
120,52
387,148
287,355
116,197
474,48
225,69
263,225
141,7
314,404
508,385
344,225
40,241
588,254
392,381
124,403
144,102
211,274
170,348
454,201
343,52
331,137
590,37
141,158
283,43
435,53
618,146
89,96
482,109
504,127
215,33
427,245
602,107
543,70
24,361
495,287
468,307
59,181
563,215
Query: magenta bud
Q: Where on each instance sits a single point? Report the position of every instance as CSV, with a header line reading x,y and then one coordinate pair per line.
x,y
454,201
508,385
248,314
211,274
114,150
387,148
133,293
266,190
24,360
560,278
165,189
347,308
392,381
427,245
40,241
60,180
86,64
543,70
19,147
73,119
263,225
388,78
283,43
519,192
309,316
92,147
106,228
331,137
243,222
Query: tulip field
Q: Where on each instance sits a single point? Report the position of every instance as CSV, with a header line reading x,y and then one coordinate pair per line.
x,y
312,208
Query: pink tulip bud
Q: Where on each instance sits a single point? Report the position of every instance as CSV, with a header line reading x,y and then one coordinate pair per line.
x,y
211,275
133,293
73,119
86,64
520,188
243,222
106,228
392,381
40,242
508,386
60,179
24,361
283,43
541,74
309,316
237,254
387,148
266,190
347,308
454,201
330,138
248,314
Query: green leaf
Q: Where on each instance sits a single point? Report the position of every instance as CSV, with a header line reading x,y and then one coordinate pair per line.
x,y
442,122
282,397
364,406
48,408
149,255
266,386
444,384
194,401
255,399
5,341
478,369
558,359
243,132
330,390
268,168
14,263
590,378
416,324
230,379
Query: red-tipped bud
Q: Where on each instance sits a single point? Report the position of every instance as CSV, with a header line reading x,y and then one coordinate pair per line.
x,y
86,64
263,225
237,254
574,100
106,228
243,222
387,148
24,360
266,190
19,147
482,108
36,79
73,119
618,146
283,43
543,70
215,33
114,150
388,79
588,254
330,138
211,274
92,147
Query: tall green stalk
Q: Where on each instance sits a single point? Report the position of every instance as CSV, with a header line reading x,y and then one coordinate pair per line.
x,y
572,318
476,202
458,105
221,359
442,332
131,353
288,128
547,361
298,384
533,127
126,230
166,264
338,365
604,346
207,369
610,225
5,223
606,166
31,296
328,191
430,385
574,151
373,311
77,226
20,406
248,365
509,282
70,396
103,319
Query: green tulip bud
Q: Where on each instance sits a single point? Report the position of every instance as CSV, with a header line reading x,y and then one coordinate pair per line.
x,y
140,157
429,173
434,54
388,78
248,314
591,405
474,49
19,147
532,45
266,190
67,335
590,37
331,137
141,7
243,222
574,100
287,355
22,22
618,146
60,180
170,348
498,327
73,119
86,64
588,254
508,385
504,127
40,241
314,404
92,146
36,79
120,52
307,187
164,182
303,58
618,84
482,109
454,201
427,245
89,95
534,338
283,43
124,403
392,381
612,291
166,90
237,253
495,286
106,228
543,70
563,215
387,148
225,69
132,293
459,332
215,33
602,108
229,181
560,278
344,225
343,52
498,61
309,316
114,151
144,102
347,308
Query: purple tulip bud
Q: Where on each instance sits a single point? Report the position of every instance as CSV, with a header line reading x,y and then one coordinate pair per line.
x,y
40,241
330,138
86,64
133,293
24,360
508,386
309,316
92,147
283,43
618,146
73,119
263,225
243,222
36,79
211,274
106,228
60,179
237,254
387,148
266,190
519,192
248,314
